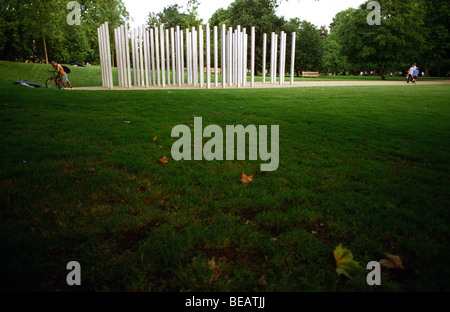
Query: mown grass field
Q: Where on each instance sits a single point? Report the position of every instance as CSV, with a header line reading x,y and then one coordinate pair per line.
x,y
90,77
367,167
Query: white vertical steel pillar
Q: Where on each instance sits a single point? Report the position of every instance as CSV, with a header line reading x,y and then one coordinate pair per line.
x,y
158,65
294,37
272,53
163,65
188,57
216,59
141,54
195,55
208,56
201,56
272,56
230,56
182,55
235,58
281,57
223,71
178,54
116,39
133,56
119,55
102,56
123,56
127,54
152,54
245,67
179,73
108,56
136,47
252,81
168,56
240,55
284,56
146,58
264,58
172,45
275,58
136,64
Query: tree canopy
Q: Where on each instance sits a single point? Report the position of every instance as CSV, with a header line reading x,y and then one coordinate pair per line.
x,y
25,23
172,16
411,31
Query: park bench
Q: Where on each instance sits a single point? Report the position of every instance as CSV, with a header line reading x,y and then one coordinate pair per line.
x,y
309,74
211,70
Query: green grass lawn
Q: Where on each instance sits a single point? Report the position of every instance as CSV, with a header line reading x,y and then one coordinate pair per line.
x,y
367,167
91,77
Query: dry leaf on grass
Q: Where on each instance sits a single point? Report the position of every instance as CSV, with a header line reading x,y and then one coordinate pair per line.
x,y
345,264
245,179
262,281
391,262
155,138
164,160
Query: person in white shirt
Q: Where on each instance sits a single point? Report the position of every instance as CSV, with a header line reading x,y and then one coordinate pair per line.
x,y
411,73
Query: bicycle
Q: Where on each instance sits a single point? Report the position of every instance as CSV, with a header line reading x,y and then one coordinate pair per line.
x,y
54,82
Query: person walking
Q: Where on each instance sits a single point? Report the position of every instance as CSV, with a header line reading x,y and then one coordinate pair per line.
x,y
416,75
411,73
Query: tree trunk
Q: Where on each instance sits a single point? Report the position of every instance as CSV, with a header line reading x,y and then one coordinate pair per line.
x,y
43,35
381,71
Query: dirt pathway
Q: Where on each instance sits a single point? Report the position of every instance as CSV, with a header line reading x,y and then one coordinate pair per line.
x,y
297,84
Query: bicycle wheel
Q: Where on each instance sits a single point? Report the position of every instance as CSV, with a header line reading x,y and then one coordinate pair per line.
x,y
51,83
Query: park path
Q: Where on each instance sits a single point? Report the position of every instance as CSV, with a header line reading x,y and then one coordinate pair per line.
x,y
297,84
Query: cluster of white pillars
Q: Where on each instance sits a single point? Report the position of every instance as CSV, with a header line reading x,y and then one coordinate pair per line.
x,y
105,55
123,56
162,57
234,56
278,60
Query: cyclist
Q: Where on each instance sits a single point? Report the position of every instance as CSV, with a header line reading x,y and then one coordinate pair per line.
x,y
62,73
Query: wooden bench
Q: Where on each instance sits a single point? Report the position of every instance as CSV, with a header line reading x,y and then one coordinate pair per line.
x,y
306,74
211,70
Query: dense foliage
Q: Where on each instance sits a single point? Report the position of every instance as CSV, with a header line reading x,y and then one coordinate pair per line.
x,y
411,31
26,24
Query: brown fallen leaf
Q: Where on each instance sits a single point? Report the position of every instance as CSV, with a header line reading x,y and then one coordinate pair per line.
x,y
91,169
262,281
155,138
391,262
164,160
245,179
192,126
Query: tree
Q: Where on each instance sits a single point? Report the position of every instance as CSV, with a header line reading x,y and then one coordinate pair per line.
x,y
333,61
308,47
172,16
435,53
397,38
248,13
221,16
23,25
